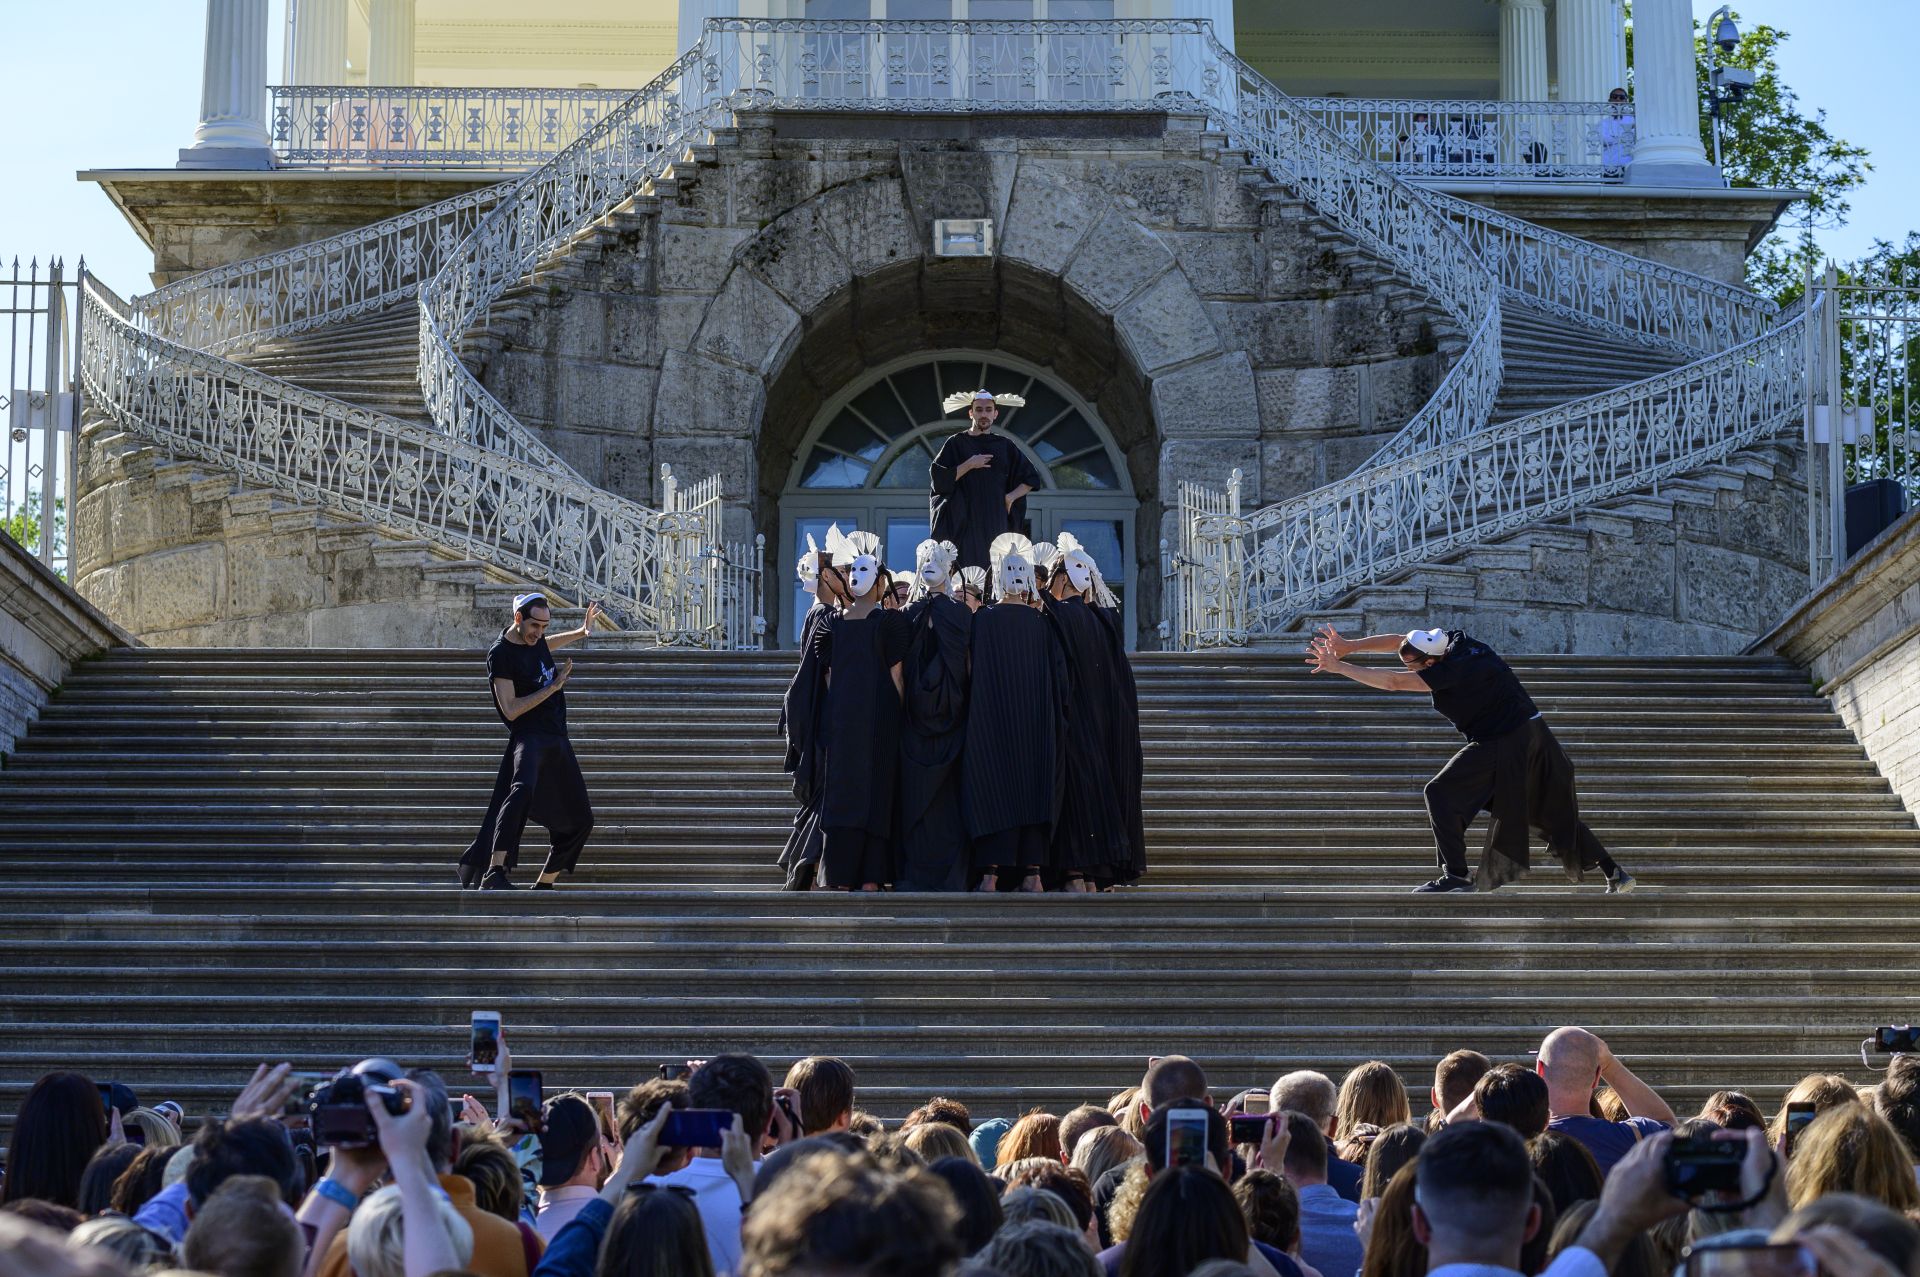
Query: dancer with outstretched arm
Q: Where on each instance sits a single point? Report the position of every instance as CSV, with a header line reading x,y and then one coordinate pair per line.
x,y
1511,767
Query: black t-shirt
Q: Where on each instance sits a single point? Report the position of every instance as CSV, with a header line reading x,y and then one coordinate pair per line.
x,y
1477,691
531,668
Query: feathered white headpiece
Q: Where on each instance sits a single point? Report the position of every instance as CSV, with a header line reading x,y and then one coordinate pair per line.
x,y
974,579
1012,557
858,553
935,560
1072,557
1042,556
966,398
806,569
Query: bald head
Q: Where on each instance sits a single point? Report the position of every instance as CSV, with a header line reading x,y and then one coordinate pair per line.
x,y
1570,1063
1172,1077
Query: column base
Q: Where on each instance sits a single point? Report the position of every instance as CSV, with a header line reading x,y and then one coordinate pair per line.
x,y
250,158
1684,175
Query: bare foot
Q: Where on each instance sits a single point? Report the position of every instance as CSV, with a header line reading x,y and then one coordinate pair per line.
x,y
869,886
988,882
1031,883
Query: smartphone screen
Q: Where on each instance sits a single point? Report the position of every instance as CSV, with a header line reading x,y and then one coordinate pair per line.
x,y
695,1128
675,1072
602,1102
106,1098
1187,1137
484,1054
525,1096
1257,1102
1248,1128
1750,1261
1799,1114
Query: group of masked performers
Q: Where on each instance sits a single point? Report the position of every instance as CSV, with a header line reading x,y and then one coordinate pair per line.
x,y
986,736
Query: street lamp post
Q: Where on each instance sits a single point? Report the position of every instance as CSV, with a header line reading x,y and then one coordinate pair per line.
x,y
1725,85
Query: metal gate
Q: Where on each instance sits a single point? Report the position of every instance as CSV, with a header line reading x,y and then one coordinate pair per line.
x,y
38,404
1862,468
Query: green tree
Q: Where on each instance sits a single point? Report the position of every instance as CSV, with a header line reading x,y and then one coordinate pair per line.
x,y
23,525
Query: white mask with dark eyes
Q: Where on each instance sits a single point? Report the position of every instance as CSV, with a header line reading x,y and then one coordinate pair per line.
x,y
861,574
1080,571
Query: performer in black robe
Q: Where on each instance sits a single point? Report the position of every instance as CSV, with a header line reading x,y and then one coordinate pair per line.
x,y
933,836
1100,839
1512,766
800,722
980,480
1016,718
861,651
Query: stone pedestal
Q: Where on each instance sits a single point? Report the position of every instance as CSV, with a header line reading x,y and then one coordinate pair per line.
x,y
233,90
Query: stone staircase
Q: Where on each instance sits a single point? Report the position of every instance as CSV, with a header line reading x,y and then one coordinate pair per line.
x,y
1549,360
215,857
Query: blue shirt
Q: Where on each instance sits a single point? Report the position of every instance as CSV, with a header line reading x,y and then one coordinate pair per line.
x,y
1607,1141
1327,1240
166,1213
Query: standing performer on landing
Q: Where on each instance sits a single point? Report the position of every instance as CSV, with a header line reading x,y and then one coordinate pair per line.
x,y
1511,767
1016,719
800,719
1100,839
539,777
933,838
980,480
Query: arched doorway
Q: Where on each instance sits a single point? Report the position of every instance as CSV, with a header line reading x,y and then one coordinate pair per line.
x,y
864,463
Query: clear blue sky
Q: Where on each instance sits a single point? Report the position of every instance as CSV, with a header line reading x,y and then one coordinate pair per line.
x,y
116,83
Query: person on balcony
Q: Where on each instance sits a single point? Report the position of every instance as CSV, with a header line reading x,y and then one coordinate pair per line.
x,y
1511,767
1616,134
539,777
980,479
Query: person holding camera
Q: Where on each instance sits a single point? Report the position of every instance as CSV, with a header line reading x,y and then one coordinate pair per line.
x,y
539,777
1512,766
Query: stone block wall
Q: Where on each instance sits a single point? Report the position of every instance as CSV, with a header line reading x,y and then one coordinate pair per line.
x,y
1859,637
45,627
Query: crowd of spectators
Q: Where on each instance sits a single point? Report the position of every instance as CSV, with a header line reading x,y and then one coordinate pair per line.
x,y
1570,1166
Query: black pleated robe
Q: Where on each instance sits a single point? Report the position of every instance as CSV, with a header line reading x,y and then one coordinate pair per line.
x,y
1100,834
933,837
970,510
800,723
861,721
1016,721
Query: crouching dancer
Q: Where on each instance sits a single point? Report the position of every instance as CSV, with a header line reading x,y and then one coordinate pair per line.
x,y
1511,767
539,778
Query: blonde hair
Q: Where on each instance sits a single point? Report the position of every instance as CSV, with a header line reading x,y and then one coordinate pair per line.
x,y
376,1245
1126,1200
1099,1151
1027,1202
1372,1095
158,1128
1852,1149
935,1140
1822,1090
1125,1108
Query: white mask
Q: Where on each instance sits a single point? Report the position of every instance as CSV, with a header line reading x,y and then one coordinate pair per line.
x,y
861,574
933,562
1079,571
808,572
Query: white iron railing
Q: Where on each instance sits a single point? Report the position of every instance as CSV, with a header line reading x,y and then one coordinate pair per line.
x,y
353,126
1528,141
722,579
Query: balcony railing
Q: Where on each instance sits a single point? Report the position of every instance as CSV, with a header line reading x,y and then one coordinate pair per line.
x,y
1531,141
350,127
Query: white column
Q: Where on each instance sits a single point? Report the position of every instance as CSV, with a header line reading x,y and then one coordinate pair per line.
x,y
319,42
694,13
390,43
233,90
1523,50
1220,11
1587,40
1666,99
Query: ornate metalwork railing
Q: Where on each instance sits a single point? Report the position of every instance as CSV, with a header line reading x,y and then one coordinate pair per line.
x,y
1293,556
551,527
350,126
1531,141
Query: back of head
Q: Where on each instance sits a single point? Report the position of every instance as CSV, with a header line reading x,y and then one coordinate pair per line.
x,y
376,1240
498,1187
655,1232
1036,1248
787,1156
1881,1230
1533,1253
140,1250
157,1130
941,1109
1069,1185
1035,1135
241,1230
1306,1092
1075,1125
1566,1167
1898,1100
59,1125
1733,1111
1222,1268
737,1084
840,1214
1370,1095
1822,1090
1271,1208
1475,1189
104,1168
974,1194
1026,1204
637,1107
1392,1148
139,1183
1172,1077
1102,1149
1516,1096
1570,1062
50,1215
433,1094
1852,1149
1187,1217
1394,1250
1306,1160
1154,1138
1455,1077
1640,1257
826,1092
253,1146
935,1140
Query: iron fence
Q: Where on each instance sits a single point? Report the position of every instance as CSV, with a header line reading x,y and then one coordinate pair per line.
x,y
347,126
1529,141
39,405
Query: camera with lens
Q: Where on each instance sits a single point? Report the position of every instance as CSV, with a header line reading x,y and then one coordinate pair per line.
x,y
1699,1164
339,1106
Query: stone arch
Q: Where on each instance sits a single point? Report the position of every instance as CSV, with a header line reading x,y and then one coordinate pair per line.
x,y
846,279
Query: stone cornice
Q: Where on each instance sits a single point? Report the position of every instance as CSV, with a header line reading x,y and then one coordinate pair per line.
x,y
1830,629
